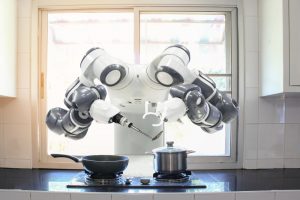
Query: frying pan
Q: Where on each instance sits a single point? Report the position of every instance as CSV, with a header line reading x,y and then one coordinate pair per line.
x,y
99,164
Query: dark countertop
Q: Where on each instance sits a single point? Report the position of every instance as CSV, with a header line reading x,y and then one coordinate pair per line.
x,y
215,180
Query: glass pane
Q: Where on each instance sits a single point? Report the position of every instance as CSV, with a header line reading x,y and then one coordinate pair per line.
x,y
203,35
70,35
222,83
191,136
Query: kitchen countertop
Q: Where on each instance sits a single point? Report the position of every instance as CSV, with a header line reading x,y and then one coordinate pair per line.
x,y
215,180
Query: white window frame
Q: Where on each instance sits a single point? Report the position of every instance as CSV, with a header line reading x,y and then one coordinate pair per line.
x,y
40,157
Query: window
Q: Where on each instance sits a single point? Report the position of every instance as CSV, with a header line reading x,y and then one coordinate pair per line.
x,y
137,36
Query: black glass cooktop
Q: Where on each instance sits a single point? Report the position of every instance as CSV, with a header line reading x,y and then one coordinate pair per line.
x,y
82,180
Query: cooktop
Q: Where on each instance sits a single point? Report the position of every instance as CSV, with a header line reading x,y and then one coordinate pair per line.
x,y
80,180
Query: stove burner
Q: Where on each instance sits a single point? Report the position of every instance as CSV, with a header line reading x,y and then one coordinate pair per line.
x,y
103,179
174,178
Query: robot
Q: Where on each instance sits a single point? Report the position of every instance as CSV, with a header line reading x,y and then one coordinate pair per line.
x,y
141,97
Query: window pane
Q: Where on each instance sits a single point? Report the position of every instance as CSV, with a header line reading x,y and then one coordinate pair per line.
x,y
190,136
70,35
204,36
222,83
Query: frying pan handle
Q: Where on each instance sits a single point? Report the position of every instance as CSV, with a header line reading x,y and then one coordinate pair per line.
x,y
74,158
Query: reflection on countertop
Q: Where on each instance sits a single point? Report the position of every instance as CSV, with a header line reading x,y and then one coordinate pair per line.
x,y
215,180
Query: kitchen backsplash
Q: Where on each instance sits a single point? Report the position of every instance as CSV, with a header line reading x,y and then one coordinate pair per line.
x,y
15,114
271,125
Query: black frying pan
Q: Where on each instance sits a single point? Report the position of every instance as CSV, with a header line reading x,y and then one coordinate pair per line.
x,y
99,164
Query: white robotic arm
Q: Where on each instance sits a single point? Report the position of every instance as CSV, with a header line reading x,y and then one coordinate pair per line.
x,y
97,64
205,105
74,123
85,100
192,93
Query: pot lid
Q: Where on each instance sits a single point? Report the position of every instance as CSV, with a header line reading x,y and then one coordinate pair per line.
x,y
168,149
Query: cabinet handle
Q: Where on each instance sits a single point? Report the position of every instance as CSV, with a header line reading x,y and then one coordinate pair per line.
x,y
42,87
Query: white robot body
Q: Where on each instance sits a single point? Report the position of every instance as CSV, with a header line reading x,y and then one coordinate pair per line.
x,y
131,101
148,95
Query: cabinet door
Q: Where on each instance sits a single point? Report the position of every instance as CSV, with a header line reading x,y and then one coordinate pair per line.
x,y
294,19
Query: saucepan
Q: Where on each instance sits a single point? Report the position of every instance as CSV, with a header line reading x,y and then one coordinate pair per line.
x,y
170,159
99,164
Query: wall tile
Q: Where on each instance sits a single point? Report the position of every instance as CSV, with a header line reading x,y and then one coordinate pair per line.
x,y
90,196
50,196
1,141
251,105
288,195
292,141
1,162
251,34
1,112
24,8
270,163
132,196
14,195
215,196
172,196
292,110
250,164
23,71
251,69
270,141
292,163
24,35
17,111
17,141
272,110
255,195
250,141
17,163
250,8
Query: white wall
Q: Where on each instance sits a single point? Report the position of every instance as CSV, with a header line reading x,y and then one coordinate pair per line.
x,y
15,116
272,125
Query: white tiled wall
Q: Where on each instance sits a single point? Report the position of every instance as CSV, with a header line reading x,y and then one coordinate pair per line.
x,y
15,116
251,126
272,125
292,133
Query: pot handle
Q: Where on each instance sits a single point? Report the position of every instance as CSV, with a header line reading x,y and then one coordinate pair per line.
x,y
190,151
74,158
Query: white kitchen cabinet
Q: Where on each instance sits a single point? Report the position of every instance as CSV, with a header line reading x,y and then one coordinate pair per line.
x,y
8,47
279,47
14,195
38,195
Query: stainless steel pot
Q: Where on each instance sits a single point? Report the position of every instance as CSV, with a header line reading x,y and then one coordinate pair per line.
x,y
170,160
